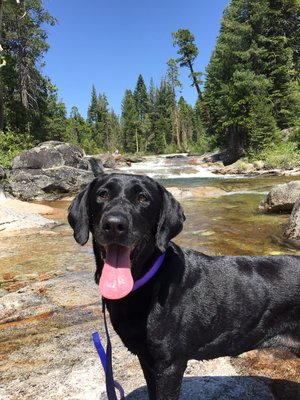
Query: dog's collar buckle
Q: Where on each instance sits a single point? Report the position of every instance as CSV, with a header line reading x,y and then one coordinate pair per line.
x,y
148,275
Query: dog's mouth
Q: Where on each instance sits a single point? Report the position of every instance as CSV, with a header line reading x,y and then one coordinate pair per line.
x,y
116,280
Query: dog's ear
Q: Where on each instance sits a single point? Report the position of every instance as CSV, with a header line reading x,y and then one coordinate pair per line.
x,y
171,220
78,216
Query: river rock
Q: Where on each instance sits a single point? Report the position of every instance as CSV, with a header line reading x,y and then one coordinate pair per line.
x,y
292,230
108,160
48,184
281,197
50,155
51,170
134,159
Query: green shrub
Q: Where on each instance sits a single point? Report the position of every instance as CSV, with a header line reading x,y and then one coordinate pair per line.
x,y
205,144
283,155
295,136
12,144
172,148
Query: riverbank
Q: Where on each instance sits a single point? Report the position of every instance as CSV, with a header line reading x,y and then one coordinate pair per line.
x,y
17,216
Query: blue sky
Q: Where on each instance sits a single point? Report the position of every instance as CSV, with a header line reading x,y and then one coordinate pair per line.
x,y
109,43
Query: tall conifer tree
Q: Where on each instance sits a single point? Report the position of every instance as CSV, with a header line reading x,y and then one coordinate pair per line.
x,y
188,50
129,123
141,98
252,78
92,112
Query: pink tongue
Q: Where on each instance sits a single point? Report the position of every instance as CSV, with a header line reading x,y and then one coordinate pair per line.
x,y
116,280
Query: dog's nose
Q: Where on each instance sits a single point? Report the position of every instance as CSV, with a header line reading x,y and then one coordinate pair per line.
x,y
115,225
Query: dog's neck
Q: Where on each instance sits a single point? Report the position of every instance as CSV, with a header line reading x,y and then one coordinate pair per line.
x,y
150,273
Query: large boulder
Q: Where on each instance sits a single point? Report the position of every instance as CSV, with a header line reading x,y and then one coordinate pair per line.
x,y
50,155
48,184
281,197
50,171
292,230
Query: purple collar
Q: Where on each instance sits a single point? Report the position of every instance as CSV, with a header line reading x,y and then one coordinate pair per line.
x,y
148,275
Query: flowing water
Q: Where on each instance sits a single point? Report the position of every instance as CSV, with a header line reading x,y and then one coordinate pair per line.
x,y
226,224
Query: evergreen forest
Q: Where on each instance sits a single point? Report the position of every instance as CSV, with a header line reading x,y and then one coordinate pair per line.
x,y
248,99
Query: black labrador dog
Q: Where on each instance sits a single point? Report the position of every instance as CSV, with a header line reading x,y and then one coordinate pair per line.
x,y
194,306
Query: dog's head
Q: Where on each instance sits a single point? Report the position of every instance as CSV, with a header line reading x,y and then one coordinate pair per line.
x,y
129,216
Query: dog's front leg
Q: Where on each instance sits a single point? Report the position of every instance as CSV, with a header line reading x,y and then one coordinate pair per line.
x,y
163,382
168,381
149,376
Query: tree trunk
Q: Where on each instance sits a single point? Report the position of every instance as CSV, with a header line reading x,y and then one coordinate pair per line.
x,y
136,140
176,123
195,82
200,97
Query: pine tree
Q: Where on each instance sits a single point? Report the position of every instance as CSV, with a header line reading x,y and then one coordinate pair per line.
x,y
92,112
25,91
172,78
152,115
163,124
114,129
78,130
147,133
186,115
56,121
102,137
141,98
142,106
161,130
252,77
129,123
188,50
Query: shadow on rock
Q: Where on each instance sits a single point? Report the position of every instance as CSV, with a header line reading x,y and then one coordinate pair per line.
x,y
231,388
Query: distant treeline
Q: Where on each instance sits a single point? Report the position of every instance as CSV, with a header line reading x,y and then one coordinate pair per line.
x,y
249,95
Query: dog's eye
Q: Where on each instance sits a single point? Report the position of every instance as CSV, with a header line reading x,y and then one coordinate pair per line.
x,y
102,195
142,198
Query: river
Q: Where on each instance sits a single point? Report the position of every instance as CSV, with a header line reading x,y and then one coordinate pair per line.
x,y
49,265
225,224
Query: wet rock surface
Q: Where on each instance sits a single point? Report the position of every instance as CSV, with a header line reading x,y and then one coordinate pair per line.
x,y
282,197
48,352
16,215
292,230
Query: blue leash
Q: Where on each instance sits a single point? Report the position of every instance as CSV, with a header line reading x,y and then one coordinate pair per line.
x,y
106,357
106,362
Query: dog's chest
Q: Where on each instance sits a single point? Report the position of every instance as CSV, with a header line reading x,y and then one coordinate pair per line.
x,y
130,327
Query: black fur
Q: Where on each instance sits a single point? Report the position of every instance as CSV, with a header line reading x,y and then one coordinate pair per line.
x,y
196,306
